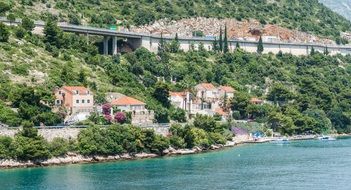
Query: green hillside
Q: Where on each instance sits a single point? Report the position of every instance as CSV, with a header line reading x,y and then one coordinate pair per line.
x,y
308,93
304,15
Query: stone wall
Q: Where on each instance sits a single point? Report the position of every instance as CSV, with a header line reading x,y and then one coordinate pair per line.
x,y
48,134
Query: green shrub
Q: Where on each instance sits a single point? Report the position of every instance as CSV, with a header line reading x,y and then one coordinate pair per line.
x,y
217,138
20,32
177,142
21,69
205,122
9,117
178,115
6,148
4,33
59,147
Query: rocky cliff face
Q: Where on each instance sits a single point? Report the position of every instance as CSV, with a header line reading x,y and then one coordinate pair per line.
x,y
248,29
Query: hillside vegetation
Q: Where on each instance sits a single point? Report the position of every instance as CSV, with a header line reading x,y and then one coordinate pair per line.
x,y
308,93
304,15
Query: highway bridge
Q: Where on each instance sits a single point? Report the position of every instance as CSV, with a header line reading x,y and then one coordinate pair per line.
x,y
150,42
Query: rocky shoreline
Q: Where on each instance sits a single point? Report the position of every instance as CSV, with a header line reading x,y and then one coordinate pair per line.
x,y
74,158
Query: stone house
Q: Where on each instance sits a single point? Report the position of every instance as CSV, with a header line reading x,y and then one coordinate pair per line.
x,y
207,100
140,115
76,99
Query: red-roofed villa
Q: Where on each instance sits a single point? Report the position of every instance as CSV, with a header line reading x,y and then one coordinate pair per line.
x,y
76,99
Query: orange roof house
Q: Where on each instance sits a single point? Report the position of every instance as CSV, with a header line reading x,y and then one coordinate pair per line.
x,y
81,90
226,89
140,115
178,94
123,101
129,104
206,86
75,99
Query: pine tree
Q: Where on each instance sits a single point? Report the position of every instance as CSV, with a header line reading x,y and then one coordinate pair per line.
x,y
28,24
225,43
53,34
220,40
260,46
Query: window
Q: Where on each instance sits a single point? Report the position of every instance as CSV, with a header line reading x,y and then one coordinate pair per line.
x,y
88,92
77,92
58,102
83,101
88,101
77,101
60,92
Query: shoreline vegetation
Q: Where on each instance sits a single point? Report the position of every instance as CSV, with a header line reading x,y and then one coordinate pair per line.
x,y
75,158
123,142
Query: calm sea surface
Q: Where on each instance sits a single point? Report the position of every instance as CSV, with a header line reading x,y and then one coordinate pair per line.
x,y
299,165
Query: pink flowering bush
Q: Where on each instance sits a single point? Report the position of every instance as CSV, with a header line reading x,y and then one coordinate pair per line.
x,y
108,118
106,109
120,117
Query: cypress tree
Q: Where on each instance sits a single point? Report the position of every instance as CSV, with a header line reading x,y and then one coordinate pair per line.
x,y
174,45
312,51
260,46
225,46
220,40
215,45
161,45
326,52
237,45
176,38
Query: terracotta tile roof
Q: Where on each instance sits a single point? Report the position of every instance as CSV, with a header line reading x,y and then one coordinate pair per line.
x,y
256,100
207,86
220,111
227,89
180,94
72,89
126,101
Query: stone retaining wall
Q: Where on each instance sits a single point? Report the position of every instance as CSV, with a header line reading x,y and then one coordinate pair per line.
x,y
67,133
48,134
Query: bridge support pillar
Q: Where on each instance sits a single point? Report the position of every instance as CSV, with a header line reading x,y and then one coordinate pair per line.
x,y
106,38
114,45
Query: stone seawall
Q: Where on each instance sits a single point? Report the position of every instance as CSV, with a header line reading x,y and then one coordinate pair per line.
x,y
67,133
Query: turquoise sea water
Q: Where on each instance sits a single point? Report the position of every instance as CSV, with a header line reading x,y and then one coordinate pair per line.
x,y
299,165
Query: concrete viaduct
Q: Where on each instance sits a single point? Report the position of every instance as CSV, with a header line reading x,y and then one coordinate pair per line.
x,y
150,42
